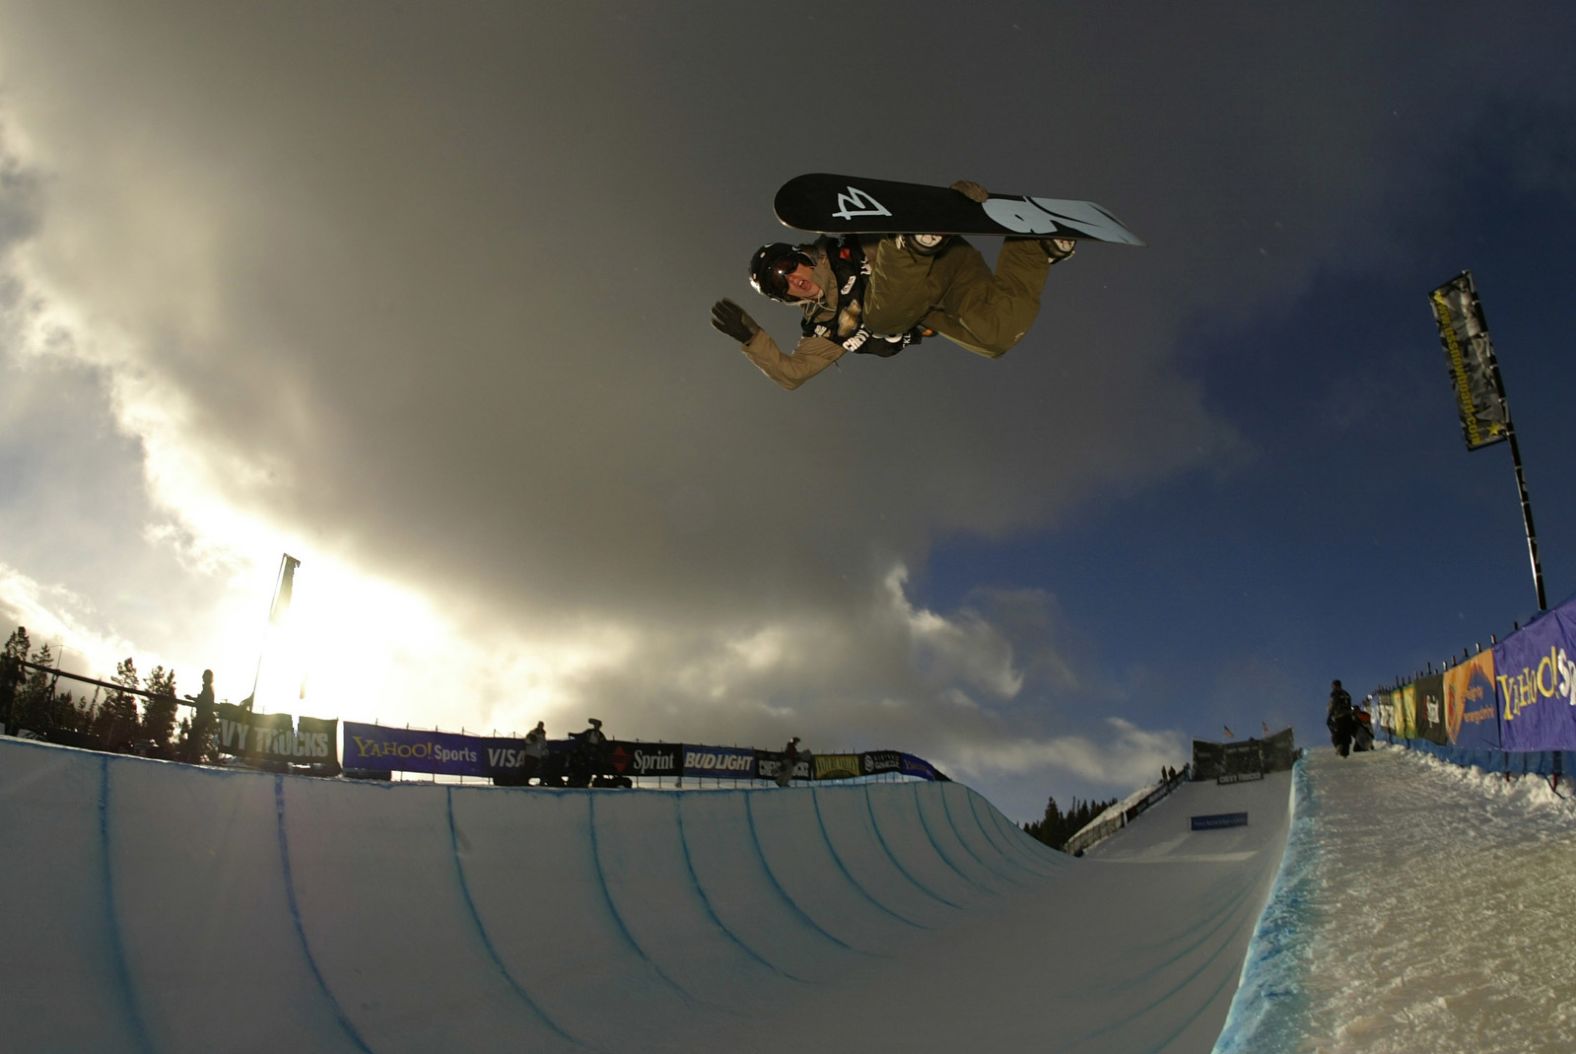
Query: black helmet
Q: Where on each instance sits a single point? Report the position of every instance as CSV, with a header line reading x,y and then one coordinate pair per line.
x,y
771,265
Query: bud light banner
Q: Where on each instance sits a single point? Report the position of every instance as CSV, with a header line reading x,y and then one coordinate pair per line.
x,y
1535,671
1471,716
374,747
736,763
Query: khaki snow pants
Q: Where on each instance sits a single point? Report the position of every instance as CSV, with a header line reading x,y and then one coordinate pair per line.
x,y
956,294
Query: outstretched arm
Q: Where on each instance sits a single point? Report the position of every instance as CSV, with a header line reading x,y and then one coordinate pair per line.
x,y
811,355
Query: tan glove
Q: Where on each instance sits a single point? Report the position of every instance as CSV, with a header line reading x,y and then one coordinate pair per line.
x,y
971,190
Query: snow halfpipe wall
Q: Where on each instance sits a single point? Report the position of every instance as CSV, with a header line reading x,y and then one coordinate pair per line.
x,y
150,906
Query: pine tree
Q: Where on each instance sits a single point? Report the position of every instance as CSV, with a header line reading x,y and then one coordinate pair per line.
x,y
158,712
37,693
116,724
16,649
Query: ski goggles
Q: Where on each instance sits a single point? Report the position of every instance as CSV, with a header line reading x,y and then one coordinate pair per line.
x,y
784,266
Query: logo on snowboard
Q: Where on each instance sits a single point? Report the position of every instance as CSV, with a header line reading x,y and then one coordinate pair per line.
x,y
857,203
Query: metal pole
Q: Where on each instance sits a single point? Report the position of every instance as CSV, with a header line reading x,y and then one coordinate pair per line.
x,y
1515,460
1526,511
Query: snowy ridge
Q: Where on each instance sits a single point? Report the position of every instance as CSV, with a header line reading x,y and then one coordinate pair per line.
x,y
201,910
1422,906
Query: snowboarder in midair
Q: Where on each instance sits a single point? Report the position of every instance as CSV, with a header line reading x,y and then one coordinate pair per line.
x,y
876,296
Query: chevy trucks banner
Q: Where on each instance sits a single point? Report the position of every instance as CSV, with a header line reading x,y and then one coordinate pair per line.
x,y
1471,716
1473,373
1535,672
276,737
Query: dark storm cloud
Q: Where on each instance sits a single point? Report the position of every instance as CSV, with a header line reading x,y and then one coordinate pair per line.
x,y
437,275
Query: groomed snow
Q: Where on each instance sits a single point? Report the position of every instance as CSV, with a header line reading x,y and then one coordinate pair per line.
x,y
159,907
1422,907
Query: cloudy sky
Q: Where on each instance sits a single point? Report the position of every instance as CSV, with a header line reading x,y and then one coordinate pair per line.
x,y
419,292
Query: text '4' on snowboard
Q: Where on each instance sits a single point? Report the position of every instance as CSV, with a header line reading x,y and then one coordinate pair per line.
x,y
830,204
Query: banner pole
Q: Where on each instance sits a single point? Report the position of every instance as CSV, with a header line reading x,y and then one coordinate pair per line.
x,y
1526,515
1515,461
1480,391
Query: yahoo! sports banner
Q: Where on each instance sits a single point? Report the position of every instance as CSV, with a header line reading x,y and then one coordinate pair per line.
x,y
374,748
1535,672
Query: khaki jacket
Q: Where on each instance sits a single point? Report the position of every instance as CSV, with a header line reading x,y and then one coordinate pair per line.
x,y
810,355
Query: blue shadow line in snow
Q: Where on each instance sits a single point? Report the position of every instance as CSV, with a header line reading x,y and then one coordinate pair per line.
x,y
995,841
946,806
875,825
945,857
826,836
612,907
799,912
710,908
487,944
345,1024
1032,848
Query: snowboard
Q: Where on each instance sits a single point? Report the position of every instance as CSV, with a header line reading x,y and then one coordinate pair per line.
x,y
830,204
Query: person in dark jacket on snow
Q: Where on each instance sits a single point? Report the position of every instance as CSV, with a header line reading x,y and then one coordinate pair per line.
x,y
1339,718
878,295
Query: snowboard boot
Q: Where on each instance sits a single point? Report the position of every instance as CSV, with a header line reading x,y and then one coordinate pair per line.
x,y
922,244
1059,249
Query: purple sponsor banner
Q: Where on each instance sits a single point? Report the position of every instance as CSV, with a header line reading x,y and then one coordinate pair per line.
x,y
909,765
414,750
1535,671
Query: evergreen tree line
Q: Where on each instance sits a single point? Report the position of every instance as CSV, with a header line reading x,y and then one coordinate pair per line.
x,y
1057,826
31,699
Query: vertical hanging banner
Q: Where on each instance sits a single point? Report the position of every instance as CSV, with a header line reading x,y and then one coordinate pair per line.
x,y
283,591
1473,373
